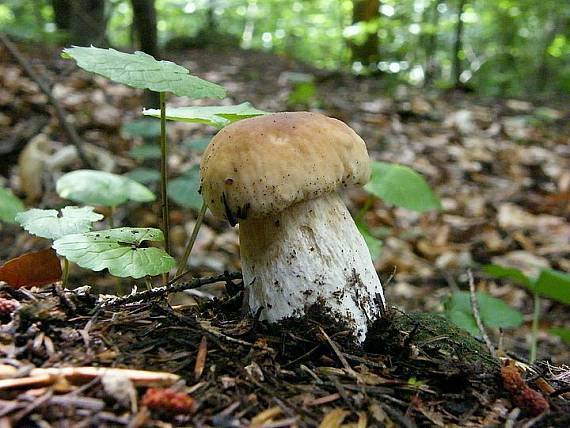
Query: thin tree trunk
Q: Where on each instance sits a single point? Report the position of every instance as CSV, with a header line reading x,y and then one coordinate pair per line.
x,y
88,23
458,45
144,23
431,44
366,11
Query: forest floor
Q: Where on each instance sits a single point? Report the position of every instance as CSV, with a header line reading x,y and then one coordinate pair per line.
x,y
501,167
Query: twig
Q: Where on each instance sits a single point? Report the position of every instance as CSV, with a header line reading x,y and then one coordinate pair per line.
x,y
160,291
477,315
68,128
205,325
184,260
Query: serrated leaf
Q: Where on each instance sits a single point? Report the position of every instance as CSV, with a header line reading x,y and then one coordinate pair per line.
x,y
184,189
10,205
145,151
142,71
494,312
118,250
101,188
554,285
144,175
51,225
401,186
216,116
373,243
32,269
144,128
514,274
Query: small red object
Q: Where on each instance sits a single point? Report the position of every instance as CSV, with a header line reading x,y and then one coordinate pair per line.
x,y
523,396
8,306
168,401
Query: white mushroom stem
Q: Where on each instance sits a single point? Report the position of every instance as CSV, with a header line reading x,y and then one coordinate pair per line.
x,y
310,255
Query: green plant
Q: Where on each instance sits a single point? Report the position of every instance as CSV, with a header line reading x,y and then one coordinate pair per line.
x,y
10,205
549,283
397,185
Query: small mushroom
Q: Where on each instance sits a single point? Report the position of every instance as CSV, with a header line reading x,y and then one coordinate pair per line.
x,y
277,175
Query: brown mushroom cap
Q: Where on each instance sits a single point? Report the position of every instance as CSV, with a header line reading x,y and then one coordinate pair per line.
x,y
259,166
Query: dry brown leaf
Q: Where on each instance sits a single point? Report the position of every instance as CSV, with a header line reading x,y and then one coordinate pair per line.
x,y
32,269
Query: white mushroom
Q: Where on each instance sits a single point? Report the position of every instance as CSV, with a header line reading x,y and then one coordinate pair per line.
x,y
277,175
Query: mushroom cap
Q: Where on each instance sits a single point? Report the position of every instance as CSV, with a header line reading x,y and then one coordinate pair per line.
x,y
259,166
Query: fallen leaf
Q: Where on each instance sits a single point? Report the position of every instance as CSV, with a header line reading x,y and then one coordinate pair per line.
x,y
32,269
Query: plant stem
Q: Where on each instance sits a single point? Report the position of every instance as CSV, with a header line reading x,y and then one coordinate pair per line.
x,y
164,173
111,220
534,333
364,209
182,262
65,272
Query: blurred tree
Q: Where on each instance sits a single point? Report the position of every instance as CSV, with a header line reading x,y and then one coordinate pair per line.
x,y
84,20
458,45
367,14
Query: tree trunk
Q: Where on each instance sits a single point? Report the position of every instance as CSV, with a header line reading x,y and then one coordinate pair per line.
x,y
458,45
87,22
431,43
366,11
61,15
144,22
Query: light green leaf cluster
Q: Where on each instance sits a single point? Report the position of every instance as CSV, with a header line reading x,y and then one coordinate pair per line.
x,y
118,250
49,224
216,116
184,189
101,188
141,70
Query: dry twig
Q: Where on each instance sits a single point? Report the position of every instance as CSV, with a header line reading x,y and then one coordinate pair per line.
x,y
477,315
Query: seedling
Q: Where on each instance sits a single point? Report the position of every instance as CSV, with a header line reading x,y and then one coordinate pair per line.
x,y
141,70
50,224
550,283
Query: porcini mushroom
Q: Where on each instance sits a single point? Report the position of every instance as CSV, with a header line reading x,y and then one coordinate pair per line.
x,y
277,175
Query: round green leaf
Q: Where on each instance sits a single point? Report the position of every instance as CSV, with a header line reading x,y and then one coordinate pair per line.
x,y
401,186
10,205
144,128
146,151
141,70
216,116
144,175
101,188
118,250
49,224
184,189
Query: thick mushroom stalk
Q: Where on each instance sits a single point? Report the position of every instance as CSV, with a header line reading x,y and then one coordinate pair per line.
x,y
310,255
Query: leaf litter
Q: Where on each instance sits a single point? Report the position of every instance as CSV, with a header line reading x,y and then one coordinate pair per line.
x,y
501,169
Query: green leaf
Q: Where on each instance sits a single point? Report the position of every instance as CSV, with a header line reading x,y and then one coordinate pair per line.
x,y
217,116
145,151
554,284
118,250
51,225
184,189
374,244
401,186
563,333
10,205
514,274
101,188
142,71
494,312
144,175
144,128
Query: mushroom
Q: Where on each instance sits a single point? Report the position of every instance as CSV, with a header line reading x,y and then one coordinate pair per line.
x,y
276,175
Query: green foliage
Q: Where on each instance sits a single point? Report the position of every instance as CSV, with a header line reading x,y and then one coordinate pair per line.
x,y
373,243
144,128
144,175
10,205
550,283
184,189
101,188
52,225
563,333
216,116
145,151
197,145
118,250
494,312
401,186
142,71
